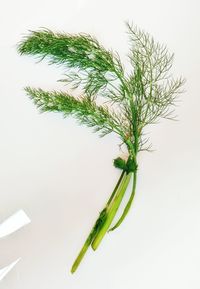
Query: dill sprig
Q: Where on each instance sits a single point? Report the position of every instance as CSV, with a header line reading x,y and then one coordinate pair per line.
x,y
130,101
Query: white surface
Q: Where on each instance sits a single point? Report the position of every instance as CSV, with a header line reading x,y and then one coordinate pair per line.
x,y
14,223
61,174
4,271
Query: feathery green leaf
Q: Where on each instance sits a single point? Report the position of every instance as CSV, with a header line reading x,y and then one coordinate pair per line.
x,y
83,109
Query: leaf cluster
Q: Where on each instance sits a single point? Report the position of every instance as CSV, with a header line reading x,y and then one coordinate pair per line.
x,y
127,166
132,101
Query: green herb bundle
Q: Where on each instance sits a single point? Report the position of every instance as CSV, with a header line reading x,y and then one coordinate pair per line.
x,y
130,101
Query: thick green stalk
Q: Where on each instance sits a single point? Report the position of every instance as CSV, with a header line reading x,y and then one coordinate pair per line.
x,y
116,188
127,208
111,211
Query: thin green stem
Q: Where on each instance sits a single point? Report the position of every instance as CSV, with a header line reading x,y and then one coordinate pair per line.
x,y
98,224
111,211
127,208
83,251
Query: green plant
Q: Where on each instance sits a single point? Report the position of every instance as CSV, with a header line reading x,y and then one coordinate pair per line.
x,y
131,101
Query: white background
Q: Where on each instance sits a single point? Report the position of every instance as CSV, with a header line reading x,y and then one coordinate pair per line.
x,y
61,174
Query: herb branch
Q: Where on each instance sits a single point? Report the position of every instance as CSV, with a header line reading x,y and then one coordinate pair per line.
x,y
130,101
